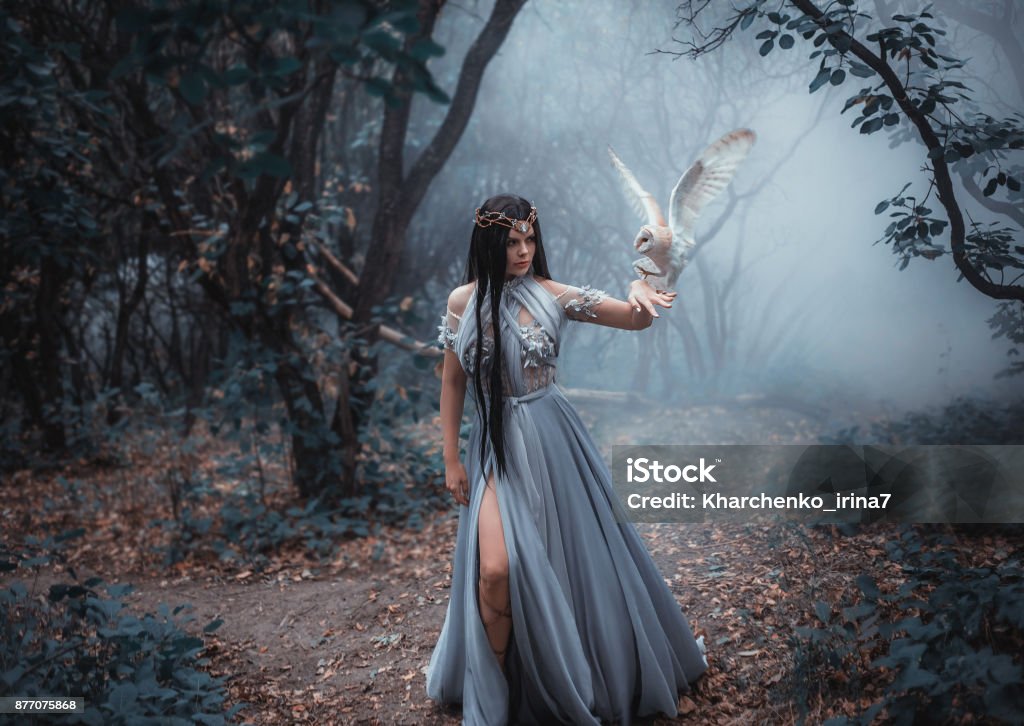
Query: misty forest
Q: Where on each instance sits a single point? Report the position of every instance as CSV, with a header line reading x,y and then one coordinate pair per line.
x,y
229,231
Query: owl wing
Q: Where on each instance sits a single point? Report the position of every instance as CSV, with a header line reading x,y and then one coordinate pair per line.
x,y
641,200
703,181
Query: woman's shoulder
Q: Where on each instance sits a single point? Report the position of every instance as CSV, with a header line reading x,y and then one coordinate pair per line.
x,y
459,298
555,288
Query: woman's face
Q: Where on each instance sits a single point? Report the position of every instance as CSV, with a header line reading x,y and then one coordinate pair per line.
x,y
519,250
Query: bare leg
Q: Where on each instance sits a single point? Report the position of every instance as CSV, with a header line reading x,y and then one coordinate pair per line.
x,y
493,592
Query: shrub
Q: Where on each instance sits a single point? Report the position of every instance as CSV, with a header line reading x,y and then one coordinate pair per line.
x,y
79,642
950,638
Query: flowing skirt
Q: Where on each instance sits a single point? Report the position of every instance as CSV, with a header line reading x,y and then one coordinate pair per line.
x,y
596,633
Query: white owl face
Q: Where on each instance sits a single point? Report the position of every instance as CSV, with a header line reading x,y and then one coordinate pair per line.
x,y
653,237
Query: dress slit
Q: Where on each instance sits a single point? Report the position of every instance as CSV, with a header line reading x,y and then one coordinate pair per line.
x,y
504,537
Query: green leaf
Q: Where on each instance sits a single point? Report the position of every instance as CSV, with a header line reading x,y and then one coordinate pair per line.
x,y
858,611
871,125
837,77
786,41
823,611
266,163
12,676
262,138
383,42
57,592
123,67
881,207
193,88
914,677
819,80
379,87
286,66
122,697
236,75
766,47
748,19
861,70
70,534
426,48
866,583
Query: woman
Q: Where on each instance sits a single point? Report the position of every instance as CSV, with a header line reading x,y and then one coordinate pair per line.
x,y
557,612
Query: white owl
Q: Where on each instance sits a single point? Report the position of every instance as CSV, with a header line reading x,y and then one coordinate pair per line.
x,y
665,248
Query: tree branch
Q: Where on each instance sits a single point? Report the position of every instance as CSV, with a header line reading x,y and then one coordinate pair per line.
x,y
1005,208
943,182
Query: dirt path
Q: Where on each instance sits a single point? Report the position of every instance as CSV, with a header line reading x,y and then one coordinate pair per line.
x,y
353,647
348,641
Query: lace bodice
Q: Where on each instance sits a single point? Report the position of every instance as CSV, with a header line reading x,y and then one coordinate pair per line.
x,y
532,320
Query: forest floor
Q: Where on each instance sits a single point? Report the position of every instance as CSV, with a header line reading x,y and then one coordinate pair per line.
x,y
348,640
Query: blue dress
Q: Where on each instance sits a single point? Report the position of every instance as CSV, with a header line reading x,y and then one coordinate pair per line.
x,y
596,633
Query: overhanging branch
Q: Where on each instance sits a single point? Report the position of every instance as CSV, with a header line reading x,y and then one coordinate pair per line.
x,y
940,170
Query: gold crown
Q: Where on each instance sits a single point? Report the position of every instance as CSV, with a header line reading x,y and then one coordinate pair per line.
x,y
488,218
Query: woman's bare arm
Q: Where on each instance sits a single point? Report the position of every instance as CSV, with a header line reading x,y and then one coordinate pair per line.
x,y
636,313
453,401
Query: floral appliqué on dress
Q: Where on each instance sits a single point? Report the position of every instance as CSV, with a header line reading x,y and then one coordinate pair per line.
x,y
539,349
446,339
538,346
586,302
445,335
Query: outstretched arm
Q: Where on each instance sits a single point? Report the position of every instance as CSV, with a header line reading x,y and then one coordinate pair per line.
x,y
635,313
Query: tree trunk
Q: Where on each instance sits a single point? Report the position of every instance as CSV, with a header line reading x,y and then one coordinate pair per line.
x,y
124,318
311,451
400,197
46,370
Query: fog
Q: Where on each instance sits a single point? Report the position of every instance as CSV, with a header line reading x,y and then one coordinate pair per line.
x,y
811,305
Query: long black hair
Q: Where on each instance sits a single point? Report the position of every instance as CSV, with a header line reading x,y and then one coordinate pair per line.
x,y
486,266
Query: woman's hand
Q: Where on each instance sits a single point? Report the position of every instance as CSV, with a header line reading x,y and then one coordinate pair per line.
x,y
456,481
643,296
